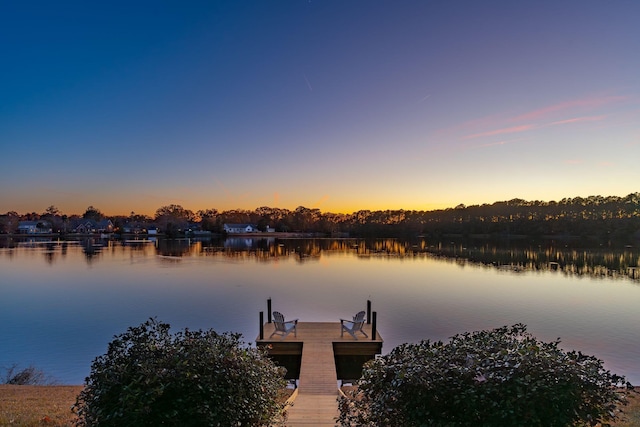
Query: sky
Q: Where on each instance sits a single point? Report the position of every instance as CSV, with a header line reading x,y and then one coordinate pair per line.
x,y
336,105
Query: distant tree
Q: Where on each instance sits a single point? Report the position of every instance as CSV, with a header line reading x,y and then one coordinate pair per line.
x,y
30,375
151,377
173,219
52,211
52,214
138,218
209,219
502,377
9,222
93,214
32,216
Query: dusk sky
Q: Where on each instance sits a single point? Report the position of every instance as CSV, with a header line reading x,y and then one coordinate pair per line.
x,y
336,105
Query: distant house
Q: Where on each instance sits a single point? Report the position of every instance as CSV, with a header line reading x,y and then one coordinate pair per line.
x,y
132,228
34,227
89,226
105,226
83,226
195,230
240,228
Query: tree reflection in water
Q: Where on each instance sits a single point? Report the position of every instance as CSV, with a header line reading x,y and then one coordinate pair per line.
x,y
570,258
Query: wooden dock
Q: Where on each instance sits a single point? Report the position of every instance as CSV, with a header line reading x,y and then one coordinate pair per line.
x,y
318,343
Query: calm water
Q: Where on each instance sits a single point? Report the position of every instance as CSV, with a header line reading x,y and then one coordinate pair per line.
x,y
62,302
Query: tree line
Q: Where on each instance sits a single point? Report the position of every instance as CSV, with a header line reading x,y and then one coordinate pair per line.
x,y
603,218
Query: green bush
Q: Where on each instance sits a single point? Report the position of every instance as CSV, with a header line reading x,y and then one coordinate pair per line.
x,y
193,378
501,377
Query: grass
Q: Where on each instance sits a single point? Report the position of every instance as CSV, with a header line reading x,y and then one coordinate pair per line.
x,y
632,411
29,405
33,405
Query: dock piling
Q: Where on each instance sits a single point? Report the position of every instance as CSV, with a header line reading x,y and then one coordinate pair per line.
x,y
262,325
373,327
268,310
368,312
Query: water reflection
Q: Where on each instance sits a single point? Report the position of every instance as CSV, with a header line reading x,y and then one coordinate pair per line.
x,y
62,301
515,257
594,262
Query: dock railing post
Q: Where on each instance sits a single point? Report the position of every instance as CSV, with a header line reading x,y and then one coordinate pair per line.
x,y
373,327
368,312
262,325
269,310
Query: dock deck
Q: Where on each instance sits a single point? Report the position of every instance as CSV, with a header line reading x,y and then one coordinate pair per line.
x,y
318,343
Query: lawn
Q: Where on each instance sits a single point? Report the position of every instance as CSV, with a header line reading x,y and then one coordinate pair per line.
x,y
23,405
32,405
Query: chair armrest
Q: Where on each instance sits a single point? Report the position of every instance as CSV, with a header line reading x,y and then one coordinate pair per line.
x,y
294,321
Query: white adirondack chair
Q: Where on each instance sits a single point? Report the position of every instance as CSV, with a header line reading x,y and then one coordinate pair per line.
x,y
283,328
353,326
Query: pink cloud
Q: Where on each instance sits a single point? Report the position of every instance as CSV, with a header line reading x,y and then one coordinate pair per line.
x,y
574,161
513,129
580,119
552,113
503,142
483,121
577,103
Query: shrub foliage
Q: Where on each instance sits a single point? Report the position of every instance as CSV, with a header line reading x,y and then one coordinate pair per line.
x,y
500,377
152,377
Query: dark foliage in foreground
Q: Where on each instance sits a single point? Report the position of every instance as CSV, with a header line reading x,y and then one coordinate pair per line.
x,y
502,377
193,378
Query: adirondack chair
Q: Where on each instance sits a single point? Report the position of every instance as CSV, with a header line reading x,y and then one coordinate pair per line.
x,y
353,326
283,328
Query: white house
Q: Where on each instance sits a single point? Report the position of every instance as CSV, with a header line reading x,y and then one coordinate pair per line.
x,y
34,227
88,226
240,228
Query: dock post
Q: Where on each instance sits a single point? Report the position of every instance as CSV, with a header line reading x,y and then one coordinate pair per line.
x,y
368,312
268,310
373,327
262,325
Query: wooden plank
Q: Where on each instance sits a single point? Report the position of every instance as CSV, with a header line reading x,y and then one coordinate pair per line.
x,y
313,410
316,401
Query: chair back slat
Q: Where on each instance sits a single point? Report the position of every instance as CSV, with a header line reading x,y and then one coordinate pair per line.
x,y
359,318
278,320
354,326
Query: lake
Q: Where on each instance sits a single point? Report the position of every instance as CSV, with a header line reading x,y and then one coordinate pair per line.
x,y
61,302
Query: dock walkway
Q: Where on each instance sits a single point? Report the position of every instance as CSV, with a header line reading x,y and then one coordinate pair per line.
x,y
316,401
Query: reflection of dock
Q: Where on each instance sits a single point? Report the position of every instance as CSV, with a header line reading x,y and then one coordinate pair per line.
x,y
318,346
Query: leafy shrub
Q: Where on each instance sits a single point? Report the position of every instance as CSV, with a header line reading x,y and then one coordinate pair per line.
x,y
501,377
150,377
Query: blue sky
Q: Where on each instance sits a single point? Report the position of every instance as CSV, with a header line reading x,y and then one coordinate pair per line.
x,y
336,105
